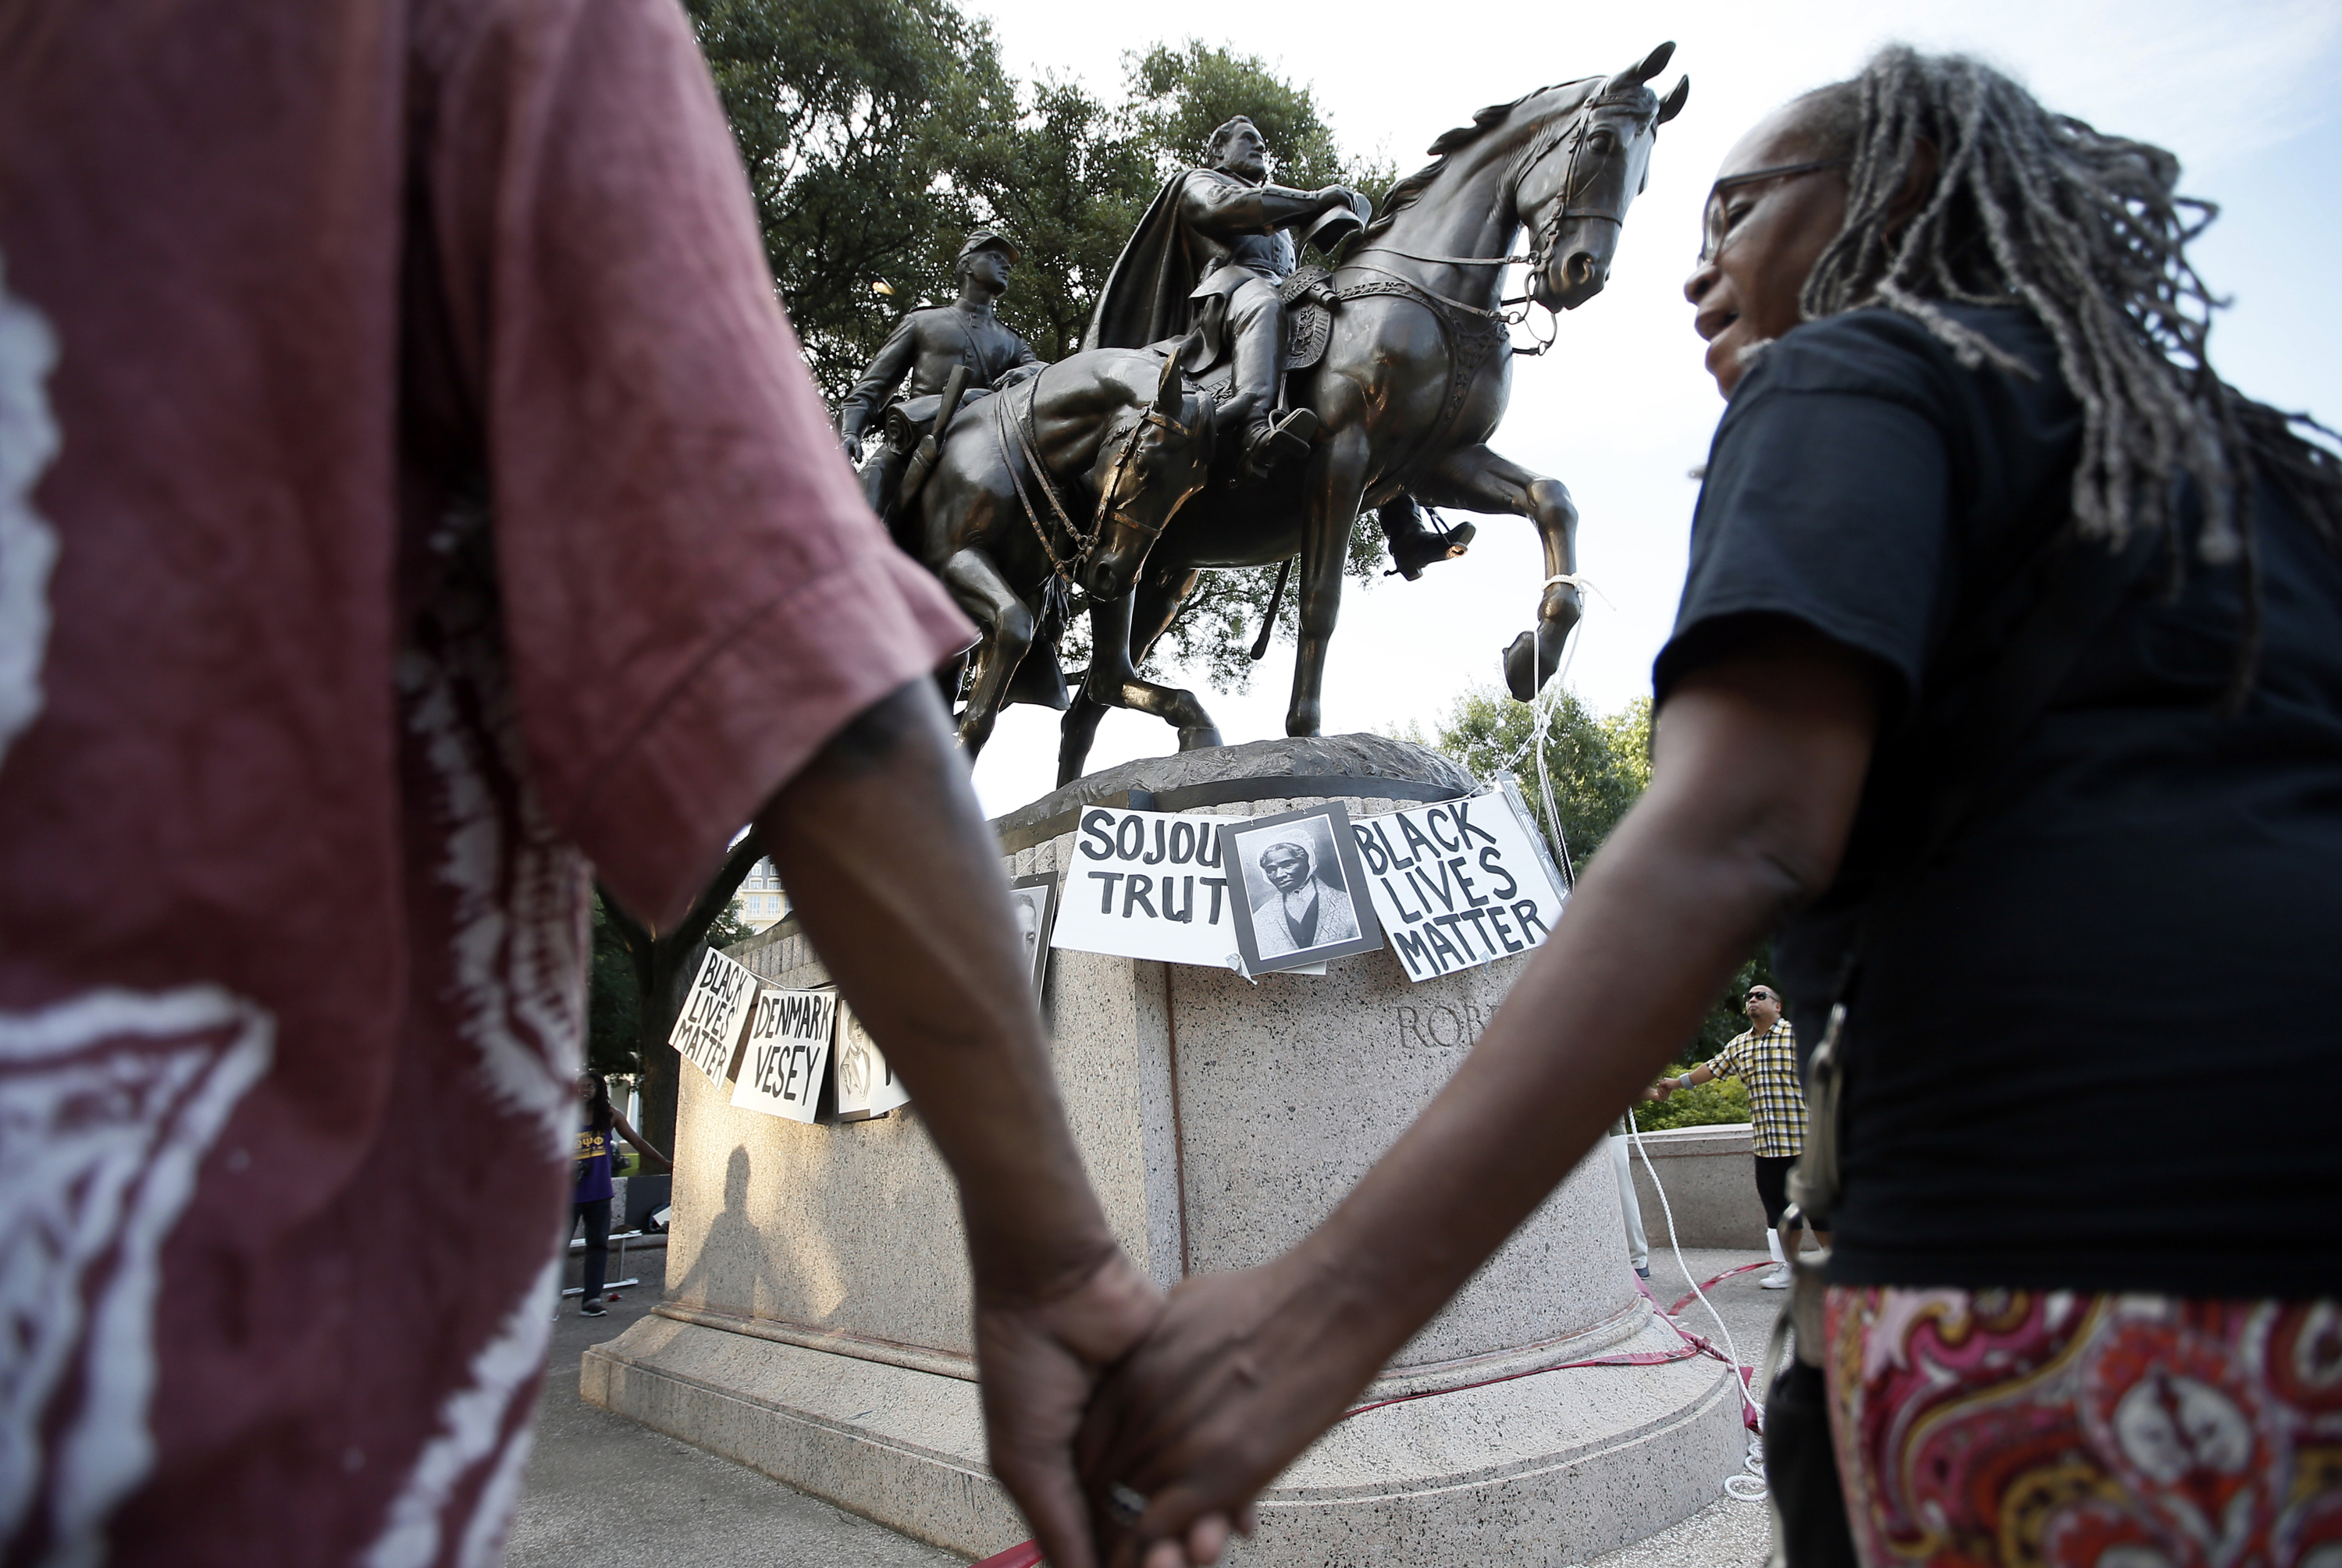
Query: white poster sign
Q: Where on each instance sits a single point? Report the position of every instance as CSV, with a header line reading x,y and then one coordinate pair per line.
x,y
1147,884
708,1029
866,1086
1458,885
788,1049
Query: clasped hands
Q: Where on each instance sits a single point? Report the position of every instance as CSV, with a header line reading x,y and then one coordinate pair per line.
x,y
1134,1428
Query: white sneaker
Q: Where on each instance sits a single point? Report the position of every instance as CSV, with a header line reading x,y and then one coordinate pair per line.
x,y
1779,1279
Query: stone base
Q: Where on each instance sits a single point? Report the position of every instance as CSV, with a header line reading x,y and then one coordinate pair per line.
x,y
1537,1472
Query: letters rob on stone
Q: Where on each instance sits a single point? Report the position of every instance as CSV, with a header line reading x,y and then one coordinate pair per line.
x,y
1456,884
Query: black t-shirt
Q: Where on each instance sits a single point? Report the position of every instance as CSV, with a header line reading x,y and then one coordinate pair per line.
x,y
2092,1046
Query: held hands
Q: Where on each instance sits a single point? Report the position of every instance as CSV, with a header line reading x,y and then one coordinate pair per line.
x,y
1242,1373
1041,1357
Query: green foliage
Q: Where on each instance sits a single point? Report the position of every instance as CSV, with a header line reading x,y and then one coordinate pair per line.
x,y
1717,1101
1599,766
876,133
1178,97
851,116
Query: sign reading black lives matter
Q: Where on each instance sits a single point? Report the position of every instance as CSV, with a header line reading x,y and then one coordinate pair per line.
x,y
1299,889
1458,885
708,1029
1147,885
788,1047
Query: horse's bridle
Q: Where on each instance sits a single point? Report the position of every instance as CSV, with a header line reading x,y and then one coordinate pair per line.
x,y
1548,232
1109,509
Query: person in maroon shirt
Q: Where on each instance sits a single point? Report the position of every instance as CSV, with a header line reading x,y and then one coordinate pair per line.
x,y
411,494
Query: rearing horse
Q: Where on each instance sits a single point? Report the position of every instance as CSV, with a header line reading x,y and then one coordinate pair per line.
x,y
1414,378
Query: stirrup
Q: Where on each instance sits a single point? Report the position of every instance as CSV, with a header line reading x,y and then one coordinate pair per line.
x,y
1283,436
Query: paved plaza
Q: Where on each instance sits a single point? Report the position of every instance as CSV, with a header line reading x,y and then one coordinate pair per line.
x,y
602,1489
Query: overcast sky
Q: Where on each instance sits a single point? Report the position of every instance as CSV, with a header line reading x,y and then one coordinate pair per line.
x,y
2245,92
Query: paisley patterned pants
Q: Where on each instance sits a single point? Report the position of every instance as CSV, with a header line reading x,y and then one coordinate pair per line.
x,y
2054,1429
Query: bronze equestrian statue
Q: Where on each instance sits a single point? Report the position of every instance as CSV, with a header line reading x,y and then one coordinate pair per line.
x,y
927,346
1060,483
1403,355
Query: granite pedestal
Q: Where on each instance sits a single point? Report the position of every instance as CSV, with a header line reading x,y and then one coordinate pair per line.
x,y
815,1320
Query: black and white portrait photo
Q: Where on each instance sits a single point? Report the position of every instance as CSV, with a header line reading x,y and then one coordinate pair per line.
x,y
1033,899
1302,898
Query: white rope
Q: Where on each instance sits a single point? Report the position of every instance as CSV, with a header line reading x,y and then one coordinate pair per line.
x,y
1747,1485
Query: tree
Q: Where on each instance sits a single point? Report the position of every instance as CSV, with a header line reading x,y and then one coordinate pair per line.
x,y
850,116
1599,766
633,1029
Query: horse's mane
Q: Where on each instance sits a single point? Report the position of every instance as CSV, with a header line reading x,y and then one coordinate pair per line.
x,y
1404,194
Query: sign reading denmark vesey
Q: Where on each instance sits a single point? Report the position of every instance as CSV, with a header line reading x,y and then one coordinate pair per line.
x,y
1456,884
1147,885
708,1031
788,1050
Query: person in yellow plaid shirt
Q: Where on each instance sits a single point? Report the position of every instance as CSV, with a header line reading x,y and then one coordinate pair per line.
x,y
1763,1057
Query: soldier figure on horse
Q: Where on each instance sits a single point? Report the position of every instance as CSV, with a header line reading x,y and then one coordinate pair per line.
x,y
928,346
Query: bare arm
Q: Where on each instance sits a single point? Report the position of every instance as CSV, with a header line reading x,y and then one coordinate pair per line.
x,y
896,878
1757,769
642,1147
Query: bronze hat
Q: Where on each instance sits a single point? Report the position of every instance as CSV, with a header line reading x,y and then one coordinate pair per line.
x,y
987,240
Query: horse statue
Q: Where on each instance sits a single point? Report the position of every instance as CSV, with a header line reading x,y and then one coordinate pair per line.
x,y
1115,430
1410,377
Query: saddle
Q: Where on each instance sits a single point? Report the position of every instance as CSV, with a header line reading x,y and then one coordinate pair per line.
x,y
1308,300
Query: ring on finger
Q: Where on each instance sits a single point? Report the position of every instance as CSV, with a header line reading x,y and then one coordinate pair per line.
x,y
1126,1502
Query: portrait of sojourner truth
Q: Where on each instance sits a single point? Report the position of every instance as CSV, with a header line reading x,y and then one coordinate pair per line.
x,y
1295,887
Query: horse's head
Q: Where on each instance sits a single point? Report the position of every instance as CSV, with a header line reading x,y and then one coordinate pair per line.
x,y
1151,460
1576,180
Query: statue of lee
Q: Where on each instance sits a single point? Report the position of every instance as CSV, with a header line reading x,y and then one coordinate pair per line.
x,y
1209,255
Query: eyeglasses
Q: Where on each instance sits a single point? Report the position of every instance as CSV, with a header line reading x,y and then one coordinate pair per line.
x,y
1762,996
1712,223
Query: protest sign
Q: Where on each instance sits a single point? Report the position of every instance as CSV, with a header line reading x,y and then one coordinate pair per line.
x,y
788,1048
866,1085
1147,884
1299,880
1458,885
708,1029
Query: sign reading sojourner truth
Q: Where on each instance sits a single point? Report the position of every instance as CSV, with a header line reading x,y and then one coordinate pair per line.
x,y
1458,885
1147,885
788,1051
707,1030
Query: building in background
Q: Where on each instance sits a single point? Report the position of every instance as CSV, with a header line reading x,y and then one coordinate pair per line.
x,y
760,900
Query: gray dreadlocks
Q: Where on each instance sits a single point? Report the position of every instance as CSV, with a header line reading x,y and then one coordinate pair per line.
x,y
2086,230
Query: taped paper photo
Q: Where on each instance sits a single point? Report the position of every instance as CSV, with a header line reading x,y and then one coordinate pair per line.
x,y
1033,900
866,1085
1302,892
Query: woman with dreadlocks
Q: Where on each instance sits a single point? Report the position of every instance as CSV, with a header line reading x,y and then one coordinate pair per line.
x,y
2006,689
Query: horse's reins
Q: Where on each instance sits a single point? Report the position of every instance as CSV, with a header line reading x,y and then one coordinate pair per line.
x,y
1548,234
1108,509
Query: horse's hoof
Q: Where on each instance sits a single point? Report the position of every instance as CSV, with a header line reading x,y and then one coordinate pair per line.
x,y
1522,671
1302,721
1199,738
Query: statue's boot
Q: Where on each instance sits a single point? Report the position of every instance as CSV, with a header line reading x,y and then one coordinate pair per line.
x,y
1413,545
1270,441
